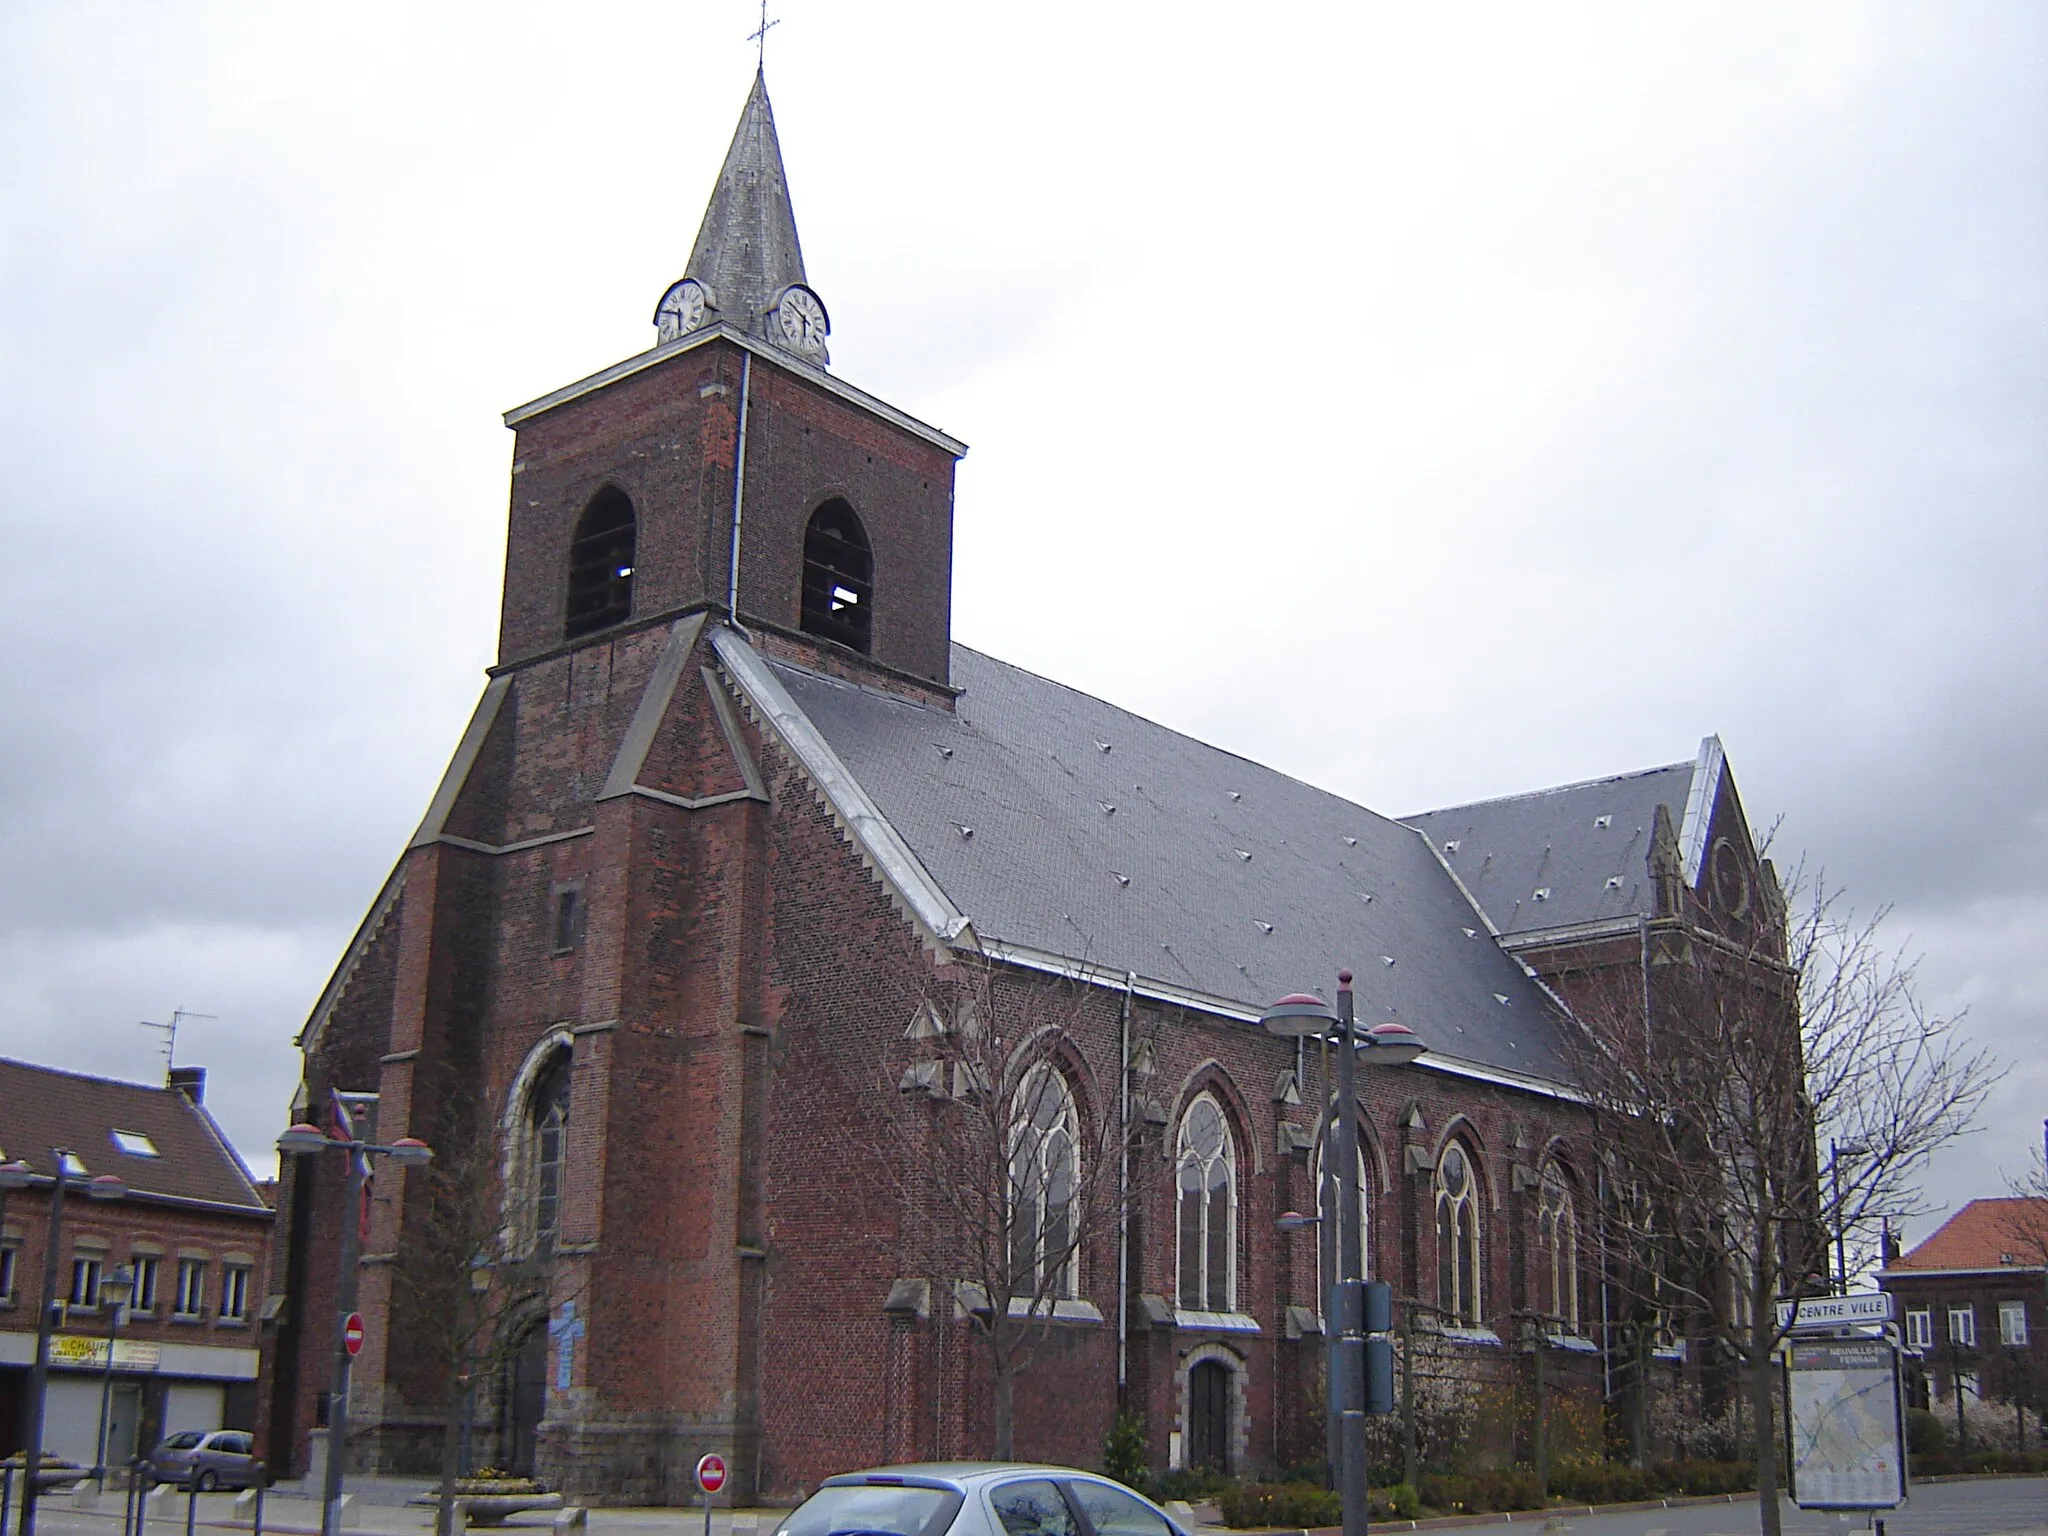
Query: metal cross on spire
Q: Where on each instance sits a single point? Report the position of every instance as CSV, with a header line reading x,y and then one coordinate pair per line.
x,y
760,38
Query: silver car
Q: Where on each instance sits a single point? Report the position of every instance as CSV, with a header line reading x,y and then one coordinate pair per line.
x,y
206,1460
976,1498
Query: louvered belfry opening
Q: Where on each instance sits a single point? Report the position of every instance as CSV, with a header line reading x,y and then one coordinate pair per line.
x,y
601,564
839,571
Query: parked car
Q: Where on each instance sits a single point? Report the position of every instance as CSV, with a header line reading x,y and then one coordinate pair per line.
x,y
206,1459
976,1498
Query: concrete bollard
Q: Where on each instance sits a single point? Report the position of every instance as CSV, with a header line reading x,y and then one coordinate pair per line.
x,y
351,1515
573,1520
85,1495
245,1508
161,1503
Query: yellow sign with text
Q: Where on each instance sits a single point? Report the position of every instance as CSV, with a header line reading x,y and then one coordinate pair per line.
x,y
76,1352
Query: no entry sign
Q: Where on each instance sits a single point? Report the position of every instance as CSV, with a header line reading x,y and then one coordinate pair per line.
x,y
352,1334
711,1472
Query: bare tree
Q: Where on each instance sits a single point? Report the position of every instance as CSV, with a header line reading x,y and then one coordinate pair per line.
x,y
1007,1153
1717,1073
463,1292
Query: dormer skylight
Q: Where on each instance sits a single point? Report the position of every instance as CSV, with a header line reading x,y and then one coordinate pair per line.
x,y
134,1143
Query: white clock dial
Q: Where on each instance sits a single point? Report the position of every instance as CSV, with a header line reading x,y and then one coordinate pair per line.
x,y
680,311
803,322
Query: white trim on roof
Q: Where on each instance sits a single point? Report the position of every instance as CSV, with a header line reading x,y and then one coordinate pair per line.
x,y
862,818
1699,808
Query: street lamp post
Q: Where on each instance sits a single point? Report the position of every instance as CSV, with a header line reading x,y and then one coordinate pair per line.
x,y
1836,1152
107,1186
1391,1044
115,1289
408,1152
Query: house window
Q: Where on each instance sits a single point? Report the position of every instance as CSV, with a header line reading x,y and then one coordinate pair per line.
x,y
839,572
9,1256
1920,1328
85,1281
550,1131
191,1298
601,565
1457,1236
234,1292
2012,1322
1962,1326
1045,1174
146,1268
1208,1209
1557,1245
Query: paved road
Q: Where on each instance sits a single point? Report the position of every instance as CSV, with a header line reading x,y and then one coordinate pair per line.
x,y
2015,1506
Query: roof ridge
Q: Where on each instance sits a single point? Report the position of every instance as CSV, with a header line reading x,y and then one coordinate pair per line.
x,y
1554,789
88,1077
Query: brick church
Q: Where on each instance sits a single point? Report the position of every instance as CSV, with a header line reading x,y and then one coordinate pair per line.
x,y
738,837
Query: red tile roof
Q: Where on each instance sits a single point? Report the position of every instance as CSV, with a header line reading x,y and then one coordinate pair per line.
x,y
1985,1234
41,1108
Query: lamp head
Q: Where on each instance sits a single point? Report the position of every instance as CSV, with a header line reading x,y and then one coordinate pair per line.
x,y
303,1138
107,1186
117,1285
1298,1013
1294,1221
1393,1044
15,1174
410,1152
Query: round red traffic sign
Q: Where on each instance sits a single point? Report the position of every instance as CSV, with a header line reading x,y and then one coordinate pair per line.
x,y
352,1334
711,1472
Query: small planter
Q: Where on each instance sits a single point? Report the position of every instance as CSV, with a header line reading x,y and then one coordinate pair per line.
x,y
496,1508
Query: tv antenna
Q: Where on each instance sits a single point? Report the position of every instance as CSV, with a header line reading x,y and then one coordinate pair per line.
x,y
170,1033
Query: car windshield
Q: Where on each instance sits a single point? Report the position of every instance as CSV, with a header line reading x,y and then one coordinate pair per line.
x,y
872,1509
184,1440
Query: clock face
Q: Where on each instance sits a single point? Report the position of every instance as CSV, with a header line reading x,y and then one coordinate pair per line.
x,y
802,318
680,311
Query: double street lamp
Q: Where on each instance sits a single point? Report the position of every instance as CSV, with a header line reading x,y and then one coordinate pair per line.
x,y
408,1152
1344,1321
107,1186
115,1289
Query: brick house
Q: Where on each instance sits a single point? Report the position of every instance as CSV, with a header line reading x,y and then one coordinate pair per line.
x,y
1972,1303
737,825
193,1231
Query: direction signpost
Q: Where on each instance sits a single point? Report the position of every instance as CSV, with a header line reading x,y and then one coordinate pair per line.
x,y
710,1478
1845,1423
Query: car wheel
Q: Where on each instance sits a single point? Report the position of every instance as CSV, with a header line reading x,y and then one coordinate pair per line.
x,y
206,1482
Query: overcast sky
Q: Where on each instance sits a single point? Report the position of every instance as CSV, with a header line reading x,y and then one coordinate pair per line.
x,y
1433,402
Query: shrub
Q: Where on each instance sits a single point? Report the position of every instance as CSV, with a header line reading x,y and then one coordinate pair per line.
x,y
1926,1434
1402,1502
1125,1455
1302,1505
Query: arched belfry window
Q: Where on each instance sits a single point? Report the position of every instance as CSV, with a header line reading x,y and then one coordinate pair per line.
x,y
1207,1183
1457,1235
601,564
1557,1245
1364,1180
1045,1177
839,578
548,1134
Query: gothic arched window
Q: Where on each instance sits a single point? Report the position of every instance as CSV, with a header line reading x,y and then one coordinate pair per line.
x,y
1045,1177
1207,1183
601,564
839,578
548,1133
1557,1245
1457,1235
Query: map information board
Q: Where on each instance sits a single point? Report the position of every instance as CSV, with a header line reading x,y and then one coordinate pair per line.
x,y
1847,1443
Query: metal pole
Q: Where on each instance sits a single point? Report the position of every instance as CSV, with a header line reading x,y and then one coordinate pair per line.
x,y
1841,1238
39,1381
337,1403
1346,1353
99,1461
1326,1251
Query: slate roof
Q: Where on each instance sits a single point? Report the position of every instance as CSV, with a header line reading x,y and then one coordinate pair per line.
x,y
41,1108
1062,824
1568,857
1981,1236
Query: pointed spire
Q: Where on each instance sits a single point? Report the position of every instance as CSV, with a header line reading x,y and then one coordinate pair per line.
x,y
747,257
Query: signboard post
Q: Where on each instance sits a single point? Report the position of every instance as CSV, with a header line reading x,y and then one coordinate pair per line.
x,y
710,1478
1845,1428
